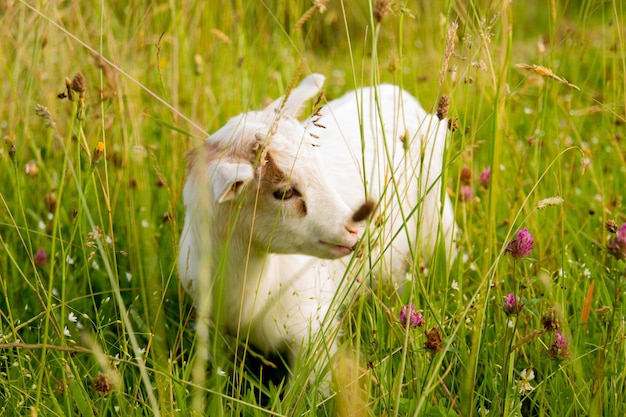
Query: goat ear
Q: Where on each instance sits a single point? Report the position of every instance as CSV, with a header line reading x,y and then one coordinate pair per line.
x,y
296,98
229,178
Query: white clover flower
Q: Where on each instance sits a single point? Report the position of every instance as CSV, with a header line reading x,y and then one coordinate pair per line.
x,y
523,384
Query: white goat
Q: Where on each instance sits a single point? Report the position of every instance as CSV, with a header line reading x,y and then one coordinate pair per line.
x,y
267,196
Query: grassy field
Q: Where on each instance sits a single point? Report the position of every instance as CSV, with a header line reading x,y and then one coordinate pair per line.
x,y
92,318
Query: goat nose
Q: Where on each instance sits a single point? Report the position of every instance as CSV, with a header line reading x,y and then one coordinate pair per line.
x,y
352,228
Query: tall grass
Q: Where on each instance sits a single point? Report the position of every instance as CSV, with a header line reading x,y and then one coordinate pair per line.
x,y
92,320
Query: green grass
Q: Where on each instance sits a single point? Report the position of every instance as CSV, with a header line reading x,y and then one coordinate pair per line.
x,y
187,67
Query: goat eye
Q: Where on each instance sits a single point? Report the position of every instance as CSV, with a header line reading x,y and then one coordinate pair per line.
x,y
285,194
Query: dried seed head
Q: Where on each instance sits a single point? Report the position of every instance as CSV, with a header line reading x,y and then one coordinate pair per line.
x,y
79,84
50,200
198,64
453,124
102,384
549,321
433,340
381,8
450,40
31,168
394,63
611,226
43,112
466,175
11,145
442,107
318,5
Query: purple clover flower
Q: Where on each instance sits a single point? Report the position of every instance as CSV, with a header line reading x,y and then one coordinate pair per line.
x,y
559,346
617,245
511,305
485,178
467,193
521,245
410,315
41,257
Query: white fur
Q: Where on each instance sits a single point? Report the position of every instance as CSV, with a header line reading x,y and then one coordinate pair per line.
x,y
262,254
400,154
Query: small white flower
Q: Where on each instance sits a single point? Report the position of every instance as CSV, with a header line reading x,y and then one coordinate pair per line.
x,y
72,317
50,216
455,285
523,385
108,240
220,371
41,225
142,350
70,260
55,292
79,325
66,332
95,265
129,276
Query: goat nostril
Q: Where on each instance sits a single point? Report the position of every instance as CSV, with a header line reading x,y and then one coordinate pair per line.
x,y
352,229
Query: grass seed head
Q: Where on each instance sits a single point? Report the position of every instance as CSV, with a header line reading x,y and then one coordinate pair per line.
x,y
442,107
381,9
450,41
453,124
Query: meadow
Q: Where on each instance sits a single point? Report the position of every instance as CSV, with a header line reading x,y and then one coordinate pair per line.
x,y
101,101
